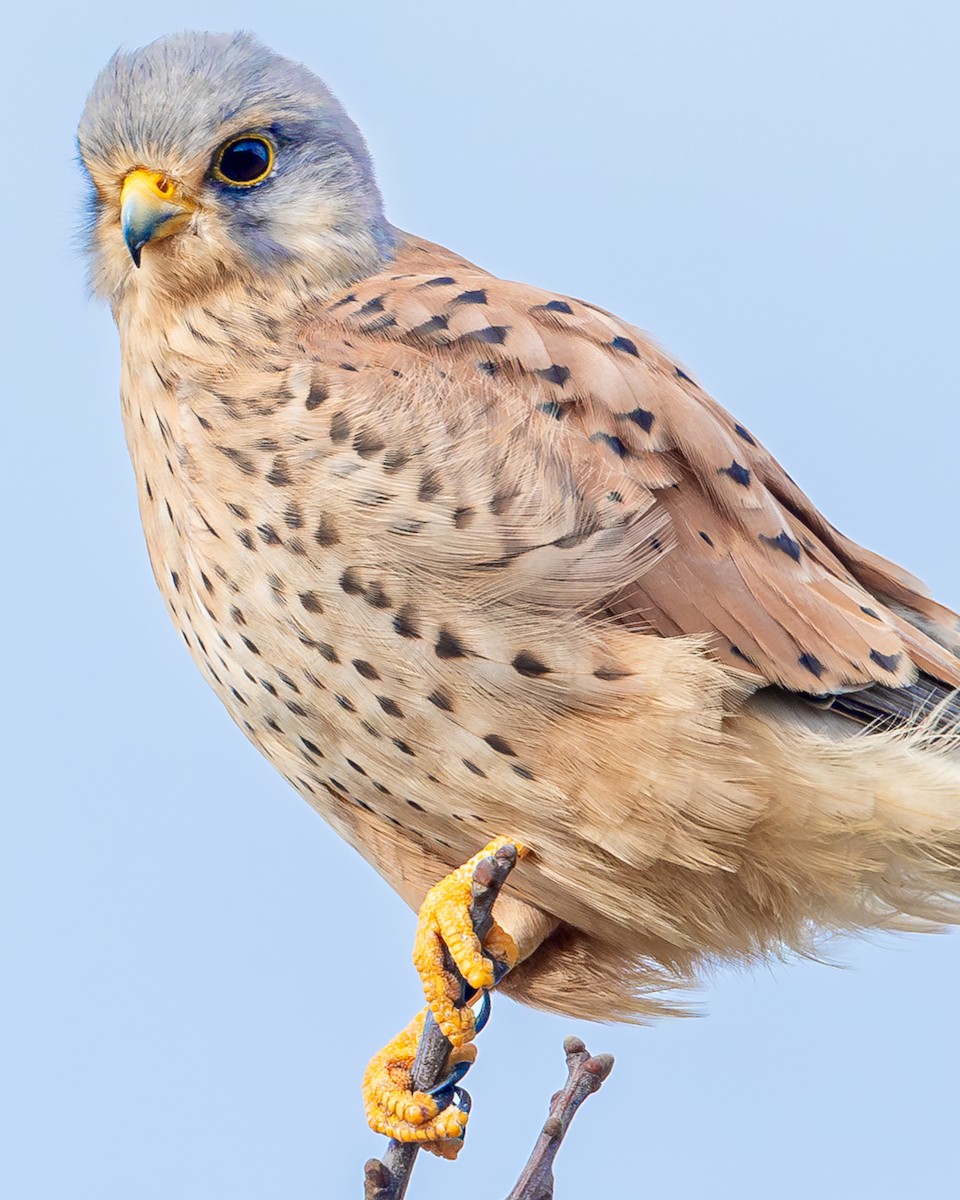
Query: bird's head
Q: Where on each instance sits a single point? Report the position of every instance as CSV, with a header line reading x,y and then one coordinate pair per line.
x,y
213,160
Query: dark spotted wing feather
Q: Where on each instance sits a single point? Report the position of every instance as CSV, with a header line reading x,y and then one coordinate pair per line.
x,y
750,561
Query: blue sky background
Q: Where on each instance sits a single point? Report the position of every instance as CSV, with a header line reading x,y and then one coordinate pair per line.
x,y
195,969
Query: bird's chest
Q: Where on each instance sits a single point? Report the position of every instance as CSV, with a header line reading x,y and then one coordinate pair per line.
x,y
350,676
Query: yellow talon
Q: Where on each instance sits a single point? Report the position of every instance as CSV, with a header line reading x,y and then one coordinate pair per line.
x,y
445,921
396,1111
392,1108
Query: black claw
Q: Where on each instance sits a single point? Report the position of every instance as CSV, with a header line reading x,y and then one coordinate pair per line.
x,y
461,1098
483,1016
500,969
449,1084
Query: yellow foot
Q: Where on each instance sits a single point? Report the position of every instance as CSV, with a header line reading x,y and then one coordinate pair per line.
x,y
439,1122
445,921
438,1119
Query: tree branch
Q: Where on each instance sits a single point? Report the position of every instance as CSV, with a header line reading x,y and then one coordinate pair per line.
x,y
388,1180
584,1077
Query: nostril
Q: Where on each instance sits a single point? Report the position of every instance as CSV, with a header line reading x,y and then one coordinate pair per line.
x,y
164,185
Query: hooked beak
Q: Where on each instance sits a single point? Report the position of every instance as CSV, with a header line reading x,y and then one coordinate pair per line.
x,y
152,206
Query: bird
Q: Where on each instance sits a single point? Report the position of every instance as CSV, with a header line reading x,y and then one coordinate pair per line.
x,y
476,564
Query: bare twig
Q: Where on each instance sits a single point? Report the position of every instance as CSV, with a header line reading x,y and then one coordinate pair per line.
x,y
585,1075
388,1180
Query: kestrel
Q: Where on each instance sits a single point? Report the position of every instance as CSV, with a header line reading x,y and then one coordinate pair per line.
x,y
470,561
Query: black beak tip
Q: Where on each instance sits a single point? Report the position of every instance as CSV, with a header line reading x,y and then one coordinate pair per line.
x,y
136,249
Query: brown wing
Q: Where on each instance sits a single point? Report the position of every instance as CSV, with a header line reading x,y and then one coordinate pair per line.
x,y
750,560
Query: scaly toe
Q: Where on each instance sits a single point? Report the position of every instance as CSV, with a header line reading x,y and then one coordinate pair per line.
x,y
444,922
436,1119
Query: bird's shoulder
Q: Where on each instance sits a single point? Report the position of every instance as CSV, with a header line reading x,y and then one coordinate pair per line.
x,y
741,553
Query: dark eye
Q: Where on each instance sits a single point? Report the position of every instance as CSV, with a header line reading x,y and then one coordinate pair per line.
x,y
244,161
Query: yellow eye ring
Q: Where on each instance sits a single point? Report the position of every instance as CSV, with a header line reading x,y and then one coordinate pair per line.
x,y
244,161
